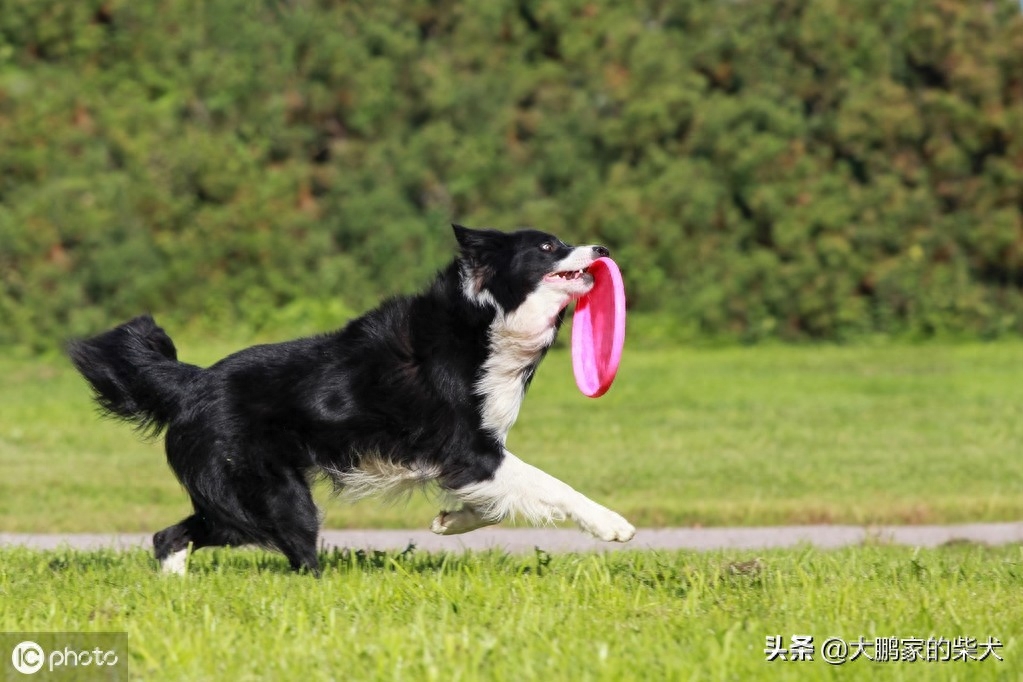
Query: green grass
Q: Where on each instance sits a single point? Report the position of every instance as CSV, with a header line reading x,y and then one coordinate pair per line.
x,y
894,434
748,436
241,615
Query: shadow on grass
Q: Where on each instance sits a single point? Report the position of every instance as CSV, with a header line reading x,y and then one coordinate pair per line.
x,y
248,559
65,560
659,571
345,560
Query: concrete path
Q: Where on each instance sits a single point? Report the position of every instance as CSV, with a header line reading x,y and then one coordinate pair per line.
x,y
571,540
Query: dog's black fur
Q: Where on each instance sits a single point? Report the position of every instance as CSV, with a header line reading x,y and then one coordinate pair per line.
x,y
245,435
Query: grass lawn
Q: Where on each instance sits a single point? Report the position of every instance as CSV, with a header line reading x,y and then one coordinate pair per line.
x,y
737,436
893,434
241,615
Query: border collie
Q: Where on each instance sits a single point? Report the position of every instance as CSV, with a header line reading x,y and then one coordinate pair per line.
x,y
421,390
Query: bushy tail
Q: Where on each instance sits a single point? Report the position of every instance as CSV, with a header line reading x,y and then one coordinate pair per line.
x,y
134,373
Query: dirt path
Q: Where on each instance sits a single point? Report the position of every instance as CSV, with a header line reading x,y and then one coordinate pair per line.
x,y
570,540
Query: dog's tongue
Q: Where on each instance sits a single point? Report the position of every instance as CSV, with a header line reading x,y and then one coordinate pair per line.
x,y
598,330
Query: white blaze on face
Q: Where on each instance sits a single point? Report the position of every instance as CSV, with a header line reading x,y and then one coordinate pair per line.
x,y
518,338
570,276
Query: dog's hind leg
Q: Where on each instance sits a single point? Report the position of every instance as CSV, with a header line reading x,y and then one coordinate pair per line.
x,y
293,522
298,544
519,489
171,544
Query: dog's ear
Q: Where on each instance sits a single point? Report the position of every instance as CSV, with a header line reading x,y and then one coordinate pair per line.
x,y
474,242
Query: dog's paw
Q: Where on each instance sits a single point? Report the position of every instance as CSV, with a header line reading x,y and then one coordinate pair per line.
x,y
455,522
607,525
175,563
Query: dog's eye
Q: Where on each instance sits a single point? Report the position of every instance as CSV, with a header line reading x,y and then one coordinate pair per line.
x,y
547,246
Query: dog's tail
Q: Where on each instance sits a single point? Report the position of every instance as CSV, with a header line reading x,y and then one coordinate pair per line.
x,y
134,373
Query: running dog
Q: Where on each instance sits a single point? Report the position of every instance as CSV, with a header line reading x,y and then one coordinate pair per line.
x,y
421,390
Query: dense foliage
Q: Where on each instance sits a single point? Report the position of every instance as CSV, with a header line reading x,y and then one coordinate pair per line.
x,y
818,169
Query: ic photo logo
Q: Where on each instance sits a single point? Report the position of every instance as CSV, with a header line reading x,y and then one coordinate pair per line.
x,y
28,658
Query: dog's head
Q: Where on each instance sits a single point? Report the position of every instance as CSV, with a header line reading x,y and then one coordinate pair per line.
x,y
505,269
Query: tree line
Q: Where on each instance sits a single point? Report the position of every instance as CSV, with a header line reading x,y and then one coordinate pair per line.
x,y
789,169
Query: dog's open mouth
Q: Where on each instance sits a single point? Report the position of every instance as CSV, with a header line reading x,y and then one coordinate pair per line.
x,y
568,275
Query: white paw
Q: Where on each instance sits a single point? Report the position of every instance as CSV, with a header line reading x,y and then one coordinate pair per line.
x,y
455,522
175,563
607,525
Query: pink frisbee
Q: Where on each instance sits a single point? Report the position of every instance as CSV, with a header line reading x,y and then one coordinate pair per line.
x,y
598,330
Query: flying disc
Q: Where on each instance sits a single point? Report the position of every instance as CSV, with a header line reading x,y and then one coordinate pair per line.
x,y
598,330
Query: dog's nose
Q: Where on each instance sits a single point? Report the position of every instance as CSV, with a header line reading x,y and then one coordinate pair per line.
x,y
601,251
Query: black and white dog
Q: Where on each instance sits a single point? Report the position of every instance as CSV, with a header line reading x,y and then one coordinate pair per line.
x,y
423,389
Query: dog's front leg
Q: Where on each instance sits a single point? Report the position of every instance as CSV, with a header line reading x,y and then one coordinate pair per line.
x,y
519,489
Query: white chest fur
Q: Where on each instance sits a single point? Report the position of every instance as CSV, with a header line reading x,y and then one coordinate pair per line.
x,y
517,340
